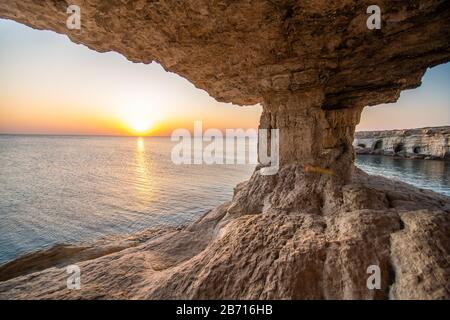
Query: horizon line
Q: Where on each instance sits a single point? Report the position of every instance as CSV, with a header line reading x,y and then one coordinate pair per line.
x,y
79,135
166,136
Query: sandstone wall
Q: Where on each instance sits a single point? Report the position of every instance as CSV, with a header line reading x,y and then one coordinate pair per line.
x,y
428,143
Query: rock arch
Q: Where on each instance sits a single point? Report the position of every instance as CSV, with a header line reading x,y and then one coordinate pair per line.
x,y
319,73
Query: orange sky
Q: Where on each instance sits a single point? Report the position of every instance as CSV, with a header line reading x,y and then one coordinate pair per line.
x,y
49,85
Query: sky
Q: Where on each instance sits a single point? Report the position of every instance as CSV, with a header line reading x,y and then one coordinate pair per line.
x,y
425,106
49,85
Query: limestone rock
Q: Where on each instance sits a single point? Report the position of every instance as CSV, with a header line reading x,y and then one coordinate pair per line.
x,y
280,251
416,143
230,47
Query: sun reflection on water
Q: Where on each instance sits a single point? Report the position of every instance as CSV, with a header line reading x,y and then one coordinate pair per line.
x,y
140,145
144,183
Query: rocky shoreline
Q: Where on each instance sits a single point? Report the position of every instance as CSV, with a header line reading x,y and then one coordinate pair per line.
x,y
238,251
431,143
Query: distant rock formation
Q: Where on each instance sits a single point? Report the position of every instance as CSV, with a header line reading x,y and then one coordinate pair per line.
x,y
423,143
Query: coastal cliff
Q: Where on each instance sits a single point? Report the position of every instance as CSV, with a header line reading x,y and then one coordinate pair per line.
x,y
311,231
423,143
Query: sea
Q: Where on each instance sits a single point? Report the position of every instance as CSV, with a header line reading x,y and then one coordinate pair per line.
x,y
71,189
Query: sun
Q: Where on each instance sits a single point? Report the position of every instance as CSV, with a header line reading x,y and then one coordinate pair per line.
x,y
138,121
139,124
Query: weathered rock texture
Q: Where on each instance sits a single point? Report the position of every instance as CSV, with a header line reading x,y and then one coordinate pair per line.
x,y
289,253
311,230
428,143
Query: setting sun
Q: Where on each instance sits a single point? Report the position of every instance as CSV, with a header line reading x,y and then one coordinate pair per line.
x,y
139,119
139,125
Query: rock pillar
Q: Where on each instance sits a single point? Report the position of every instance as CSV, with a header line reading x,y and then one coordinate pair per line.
x,y
310,135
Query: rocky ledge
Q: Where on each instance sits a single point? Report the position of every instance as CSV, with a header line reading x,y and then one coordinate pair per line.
x,y
425,143
309,248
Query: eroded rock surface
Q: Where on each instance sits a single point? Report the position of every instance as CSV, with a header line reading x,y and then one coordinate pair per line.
x,y
286,251
244,51
313,229
424,143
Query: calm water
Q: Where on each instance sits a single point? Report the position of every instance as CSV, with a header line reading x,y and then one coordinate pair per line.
x,y
426,174
73,189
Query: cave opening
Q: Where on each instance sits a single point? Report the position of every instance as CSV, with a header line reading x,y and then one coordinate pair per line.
x,y
399,147
417,150
378,145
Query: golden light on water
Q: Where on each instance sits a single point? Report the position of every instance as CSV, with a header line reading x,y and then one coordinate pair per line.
x,y
140,145
144,184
